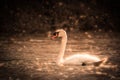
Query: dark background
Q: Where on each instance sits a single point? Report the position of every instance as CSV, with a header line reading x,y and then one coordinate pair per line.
x,y
39,16
27,54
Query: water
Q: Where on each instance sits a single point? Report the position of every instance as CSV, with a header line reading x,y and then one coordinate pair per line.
x,y
33,57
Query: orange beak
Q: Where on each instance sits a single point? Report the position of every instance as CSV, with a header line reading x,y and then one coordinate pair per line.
x,y
53,37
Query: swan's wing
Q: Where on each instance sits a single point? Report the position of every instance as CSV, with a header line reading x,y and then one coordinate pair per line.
x,y
80,58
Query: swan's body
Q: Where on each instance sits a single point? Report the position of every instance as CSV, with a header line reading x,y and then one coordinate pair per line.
x,y
80,59
74,59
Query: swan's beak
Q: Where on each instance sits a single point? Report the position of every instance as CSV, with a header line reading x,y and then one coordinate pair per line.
x,y
53,37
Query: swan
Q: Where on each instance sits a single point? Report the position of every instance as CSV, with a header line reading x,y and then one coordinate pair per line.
x,y
77,59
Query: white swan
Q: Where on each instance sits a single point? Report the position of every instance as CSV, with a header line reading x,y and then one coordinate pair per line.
x,y
79,59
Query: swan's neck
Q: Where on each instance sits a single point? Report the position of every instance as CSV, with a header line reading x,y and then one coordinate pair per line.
x,y
62,49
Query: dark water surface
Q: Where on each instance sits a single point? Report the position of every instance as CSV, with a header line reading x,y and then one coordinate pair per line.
x,y
33,57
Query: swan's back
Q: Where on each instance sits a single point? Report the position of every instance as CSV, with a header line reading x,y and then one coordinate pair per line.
x,y
81,58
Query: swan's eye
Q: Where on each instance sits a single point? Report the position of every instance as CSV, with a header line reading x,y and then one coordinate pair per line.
x,y
55,33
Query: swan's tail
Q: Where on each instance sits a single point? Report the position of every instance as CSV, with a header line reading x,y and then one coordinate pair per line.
x,y
103,61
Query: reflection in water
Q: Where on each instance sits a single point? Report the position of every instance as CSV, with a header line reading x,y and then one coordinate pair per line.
x,y
67,71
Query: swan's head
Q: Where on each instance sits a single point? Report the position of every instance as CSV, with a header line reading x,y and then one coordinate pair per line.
x,y
59,33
